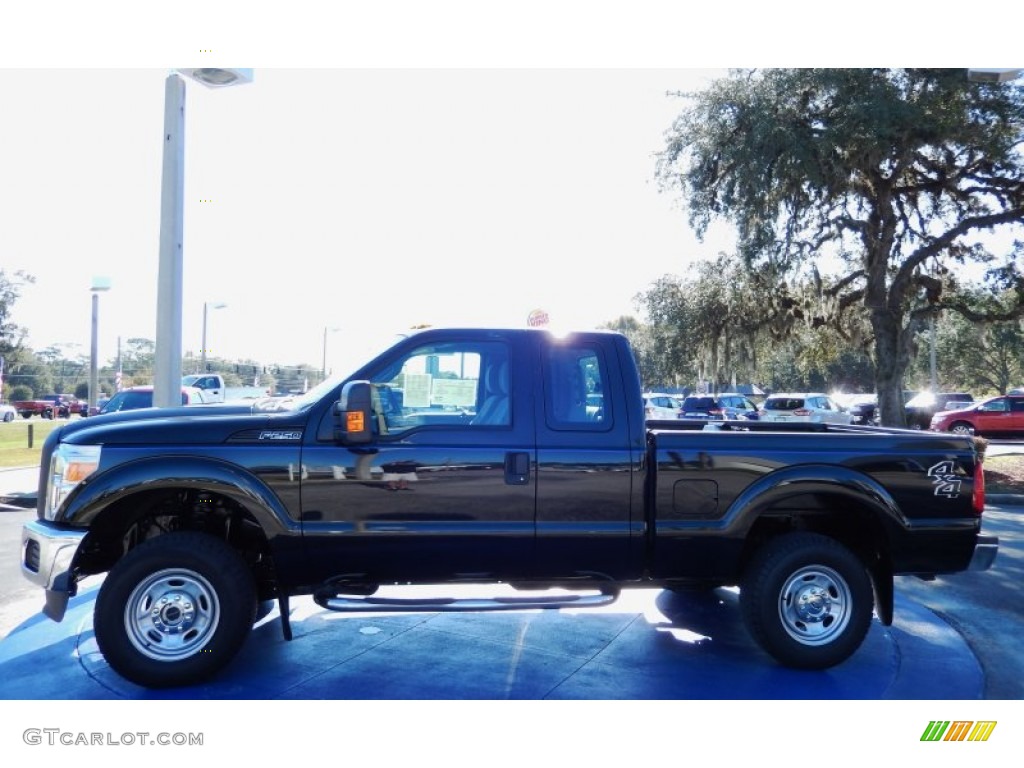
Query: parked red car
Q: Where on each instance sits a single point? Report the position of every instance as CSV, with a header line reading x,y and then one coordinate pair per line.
x,y
1002,415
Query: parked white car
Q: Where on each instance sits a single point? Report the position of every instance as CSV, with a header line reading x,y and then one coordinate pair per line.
x,y
658,405
815,407
7,412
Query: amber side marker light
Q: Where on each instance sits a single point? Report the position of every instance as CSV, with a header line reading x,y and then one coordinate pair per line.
x,y
354,421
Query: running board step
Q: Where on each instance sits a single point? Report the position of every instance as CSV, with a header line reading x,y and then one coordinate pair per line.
x,y
453,604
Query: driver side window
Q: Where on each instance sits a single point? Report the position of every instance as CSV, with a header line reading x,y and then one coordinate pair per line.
x,y
450,384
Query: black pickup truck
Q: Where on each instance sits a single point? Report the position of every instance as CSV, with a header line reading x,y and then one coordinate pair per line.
x,y
486,456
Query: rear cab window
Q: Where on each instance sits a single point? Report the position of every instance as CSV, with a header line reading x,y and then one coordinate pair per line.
x,y
574,382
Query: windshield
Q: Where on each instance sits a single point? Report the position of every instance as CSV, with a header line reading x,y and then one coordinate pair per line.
x,y
128,400
699,403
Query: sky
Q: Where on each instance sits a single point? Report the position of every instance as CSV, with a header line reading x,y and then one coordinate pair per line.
x,y
387,167
362,202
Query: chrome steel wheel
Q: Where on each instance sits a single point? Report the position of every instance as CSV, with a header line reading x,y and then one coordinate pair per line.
x,y
171,614
814,605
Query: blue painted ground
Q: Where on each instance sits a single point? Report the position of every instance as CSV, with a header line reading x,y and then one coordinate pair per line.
x,y
649,645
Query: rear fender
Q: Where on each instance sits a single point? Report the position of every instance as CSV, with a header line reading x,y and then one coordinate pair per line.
x,y
776,487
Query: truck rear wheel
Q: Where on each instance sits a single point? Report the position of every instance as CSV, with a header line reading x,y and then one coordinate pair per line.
x,y
807,600
175,610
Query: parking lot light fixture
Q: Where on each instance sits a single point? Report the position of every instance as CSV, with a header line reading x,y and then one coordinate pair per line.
x,y
323,366
206,307
99,284
993,75
212,77
167,363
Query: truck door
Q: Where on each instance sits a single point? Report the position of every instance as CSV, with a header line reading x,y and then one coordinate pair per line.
x,y
213,388
589,509
447,487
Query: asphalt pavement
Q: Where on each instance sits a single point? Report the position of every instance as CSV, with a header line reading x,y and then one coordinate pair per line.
x,y
955,638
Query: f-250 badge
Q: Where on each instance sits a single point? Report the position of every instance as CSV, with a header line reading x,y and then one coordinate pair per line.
x,y
280,435
947,482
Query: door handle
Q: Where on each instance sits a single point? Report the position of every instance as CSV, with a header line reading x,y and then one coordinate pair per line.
x,y
517,468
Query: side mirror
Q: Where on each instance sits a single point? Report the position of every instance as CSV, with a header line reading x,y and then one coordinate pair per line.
x,y
353,422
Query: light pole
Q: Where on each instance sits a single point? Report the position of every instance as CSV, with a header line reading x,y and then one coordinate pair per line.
x,y
933,357
215,305
323,367
98,284
167,364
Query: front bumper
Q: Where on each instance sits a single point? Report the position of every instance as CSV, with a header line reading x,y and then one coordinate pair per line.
x,y
47,554
985,551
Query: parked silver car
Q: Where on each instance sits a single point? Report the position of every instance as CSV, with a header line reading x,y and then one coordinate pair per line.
x,y
658,405
815,407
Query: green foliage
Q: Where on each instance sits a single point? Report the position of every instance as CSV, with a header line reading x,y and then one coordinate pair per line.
x,y
983,358
889,174
726,325
137,360
12,336
34,374
21,392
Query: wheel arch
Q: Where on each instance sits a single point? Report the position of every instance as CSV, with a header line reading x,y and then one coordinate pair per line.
x,y
140,500
837,502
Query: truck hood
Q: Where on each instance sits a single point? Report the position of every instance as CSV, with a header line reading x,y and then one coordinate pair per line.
x,y
194,424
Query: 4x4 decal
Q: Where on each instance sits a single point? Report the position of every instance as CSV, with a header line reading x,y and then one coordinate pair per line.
x,y
947,482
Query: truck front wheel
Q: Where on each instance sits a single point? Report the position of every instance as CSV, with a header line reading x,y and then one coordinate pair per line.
x,y
175,610
807,600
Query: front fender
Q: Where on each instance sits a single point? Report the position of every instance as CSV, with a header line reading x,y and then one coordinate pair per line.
x,y
99,492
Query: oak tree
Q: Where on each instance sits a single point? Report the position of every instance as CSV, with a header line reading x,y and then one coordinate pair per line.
x,y
894,175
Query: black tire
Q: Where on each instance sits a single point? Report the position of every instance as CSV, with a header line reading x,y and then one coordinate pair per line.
x,y
175,610
8,417
807,600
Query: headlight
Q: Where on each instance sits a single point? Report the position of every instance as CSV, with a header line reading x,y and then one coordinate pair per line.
x,y
69,466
